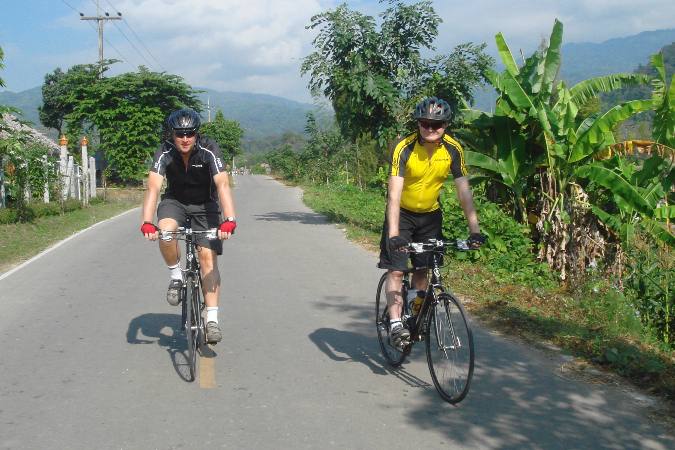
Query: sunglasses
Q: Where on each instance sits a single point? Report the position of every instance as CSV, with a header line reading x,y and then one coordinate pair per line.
x,y
427,125
187,133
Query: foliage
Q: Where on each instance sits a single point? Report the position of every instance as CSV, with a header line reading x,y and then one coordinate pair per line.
x,y
650,285
226,133
30,171
536,140
128,111
60,92
35,210
508,252
2,66
374,77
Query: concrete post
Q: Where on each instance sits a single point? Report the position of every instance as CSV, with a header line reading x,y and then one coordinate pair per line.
x,y
92,176
85,171
63,166
47,168
70,177
2,183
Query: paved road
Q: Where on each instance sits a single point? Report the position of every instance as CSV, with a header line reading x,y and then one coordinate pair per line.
x,y
91,357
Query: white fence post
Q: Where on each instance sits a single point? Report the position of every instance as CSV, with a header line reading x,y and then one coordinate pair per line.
x,y
71,181
92,176
85,171
63,166
46,193
2,182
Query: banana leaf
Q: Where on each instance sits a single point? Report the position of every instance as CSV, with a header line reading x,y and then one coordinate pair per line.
x,y
617,185
506,55
551,64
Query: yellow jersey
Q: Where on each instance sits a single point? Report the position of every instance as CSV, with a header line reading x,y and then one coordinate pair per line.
x,y
423,176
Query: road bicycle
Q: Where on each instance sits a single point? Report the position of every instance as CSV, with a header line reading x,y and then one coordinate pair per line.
x,y
441,322
191,294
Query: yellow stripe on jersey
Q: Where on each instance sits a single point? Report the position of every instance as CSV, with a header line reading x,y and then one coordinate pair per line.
x,y
423,176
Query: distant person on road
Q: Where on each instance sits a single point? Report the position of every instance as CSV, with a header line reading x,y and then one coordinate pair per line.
x,y
420,165
196,183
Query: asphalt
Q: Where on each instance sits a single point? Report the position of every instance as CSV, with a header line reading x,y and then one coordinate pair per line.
x,y
92,356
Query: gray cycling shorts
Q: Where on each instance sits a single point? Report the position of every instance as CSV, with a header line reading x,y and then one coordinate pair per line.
x,y
203,216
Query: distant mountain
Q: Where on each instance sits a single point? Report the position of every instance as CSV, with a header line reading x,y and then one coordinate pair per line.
x,y
581,61
259,115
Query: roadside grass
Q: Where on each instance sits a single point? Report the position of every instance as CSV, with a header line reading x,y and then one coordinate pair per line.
x,y
21,241
592,322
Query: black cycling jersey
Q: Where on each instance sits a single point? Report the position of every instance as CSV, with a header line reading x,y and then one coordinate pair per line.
x,y
194,184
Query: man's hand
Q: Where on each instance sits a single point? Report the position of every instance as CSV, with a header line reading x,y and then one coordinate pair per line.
x,y
226,229
150,231
396,243
476,240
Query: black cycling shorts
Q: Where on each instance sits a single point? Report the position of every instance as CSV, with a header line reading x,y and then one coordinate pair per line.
x,y
414,227
204,216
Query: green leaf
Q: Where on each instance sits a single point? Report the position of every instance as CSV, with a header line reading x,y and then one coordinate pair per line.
x,y
616,184
506,56
664,212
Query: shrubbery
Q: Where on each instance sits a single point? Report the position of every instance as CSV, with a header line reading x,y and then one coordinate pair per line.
x,y
34,210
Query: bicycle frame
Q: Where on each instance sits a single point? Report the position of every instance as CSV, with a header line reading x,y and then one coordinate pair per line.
x,y
434,284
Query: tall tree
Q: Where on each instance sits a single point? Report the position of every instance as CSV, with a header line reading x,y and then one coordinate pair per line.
x,y
59,93
374,77
227,133
128,111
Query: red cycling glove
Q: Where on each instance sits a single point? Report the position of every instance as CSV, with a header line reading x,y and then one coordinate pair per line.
x,y
228,226
148,228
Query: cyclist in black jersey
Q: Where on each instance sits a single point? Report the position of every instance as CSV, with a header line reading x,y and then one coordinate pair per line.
x,y
196,184
420,164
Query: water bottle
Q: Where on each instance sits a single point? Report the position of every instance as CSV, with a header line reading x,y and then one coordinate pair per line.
x,y
417,302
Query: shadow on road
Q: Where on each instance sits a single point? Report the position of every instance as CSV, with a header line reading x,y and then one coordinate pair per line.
x,y
293,216
151,326
519,398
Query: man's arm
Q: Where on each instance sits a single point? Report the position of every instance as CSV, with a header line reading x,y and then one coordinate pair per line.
x,y
155,181
394,204
222,183
466,201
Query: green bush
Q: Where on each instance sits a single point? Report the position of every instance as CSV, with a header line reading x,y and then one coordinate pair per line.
x,y
34,210
508,250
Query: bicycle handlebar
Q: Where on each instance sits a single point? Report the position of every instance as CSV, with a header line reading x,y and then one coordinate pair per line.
x,y
181,232
437,245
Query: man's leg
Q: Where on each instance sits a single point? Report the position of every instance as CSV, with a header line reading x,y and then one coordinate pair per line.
x,y
171,254
208,261
398,333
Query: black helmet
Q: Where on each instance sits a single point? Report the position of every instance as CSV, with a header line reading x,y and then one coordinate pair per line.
x,y
185,119
432,108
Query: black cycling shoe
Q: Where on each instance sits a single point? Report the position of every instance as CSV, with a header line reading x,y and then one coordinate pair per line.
x,y
173,293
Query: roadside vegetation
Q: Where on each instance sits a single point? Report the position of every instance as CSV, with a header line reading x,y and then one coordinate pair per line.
x,y
578,216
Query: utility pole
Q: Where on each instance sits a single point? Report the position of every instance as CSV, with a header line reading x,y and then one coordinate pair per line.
x,y
100,20
208,106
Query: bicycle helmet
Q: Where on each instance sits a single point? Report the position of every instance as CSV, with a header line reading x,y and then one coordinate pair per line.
x,y
185,119
432,108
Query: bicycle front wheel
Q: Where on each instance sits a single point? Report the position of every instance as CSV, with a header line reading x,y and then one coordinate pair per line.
x,y
393,355
450,352
191,324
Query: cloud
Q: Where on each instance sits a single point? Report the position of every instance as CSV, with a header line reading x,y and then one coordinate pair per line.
x,y
525,22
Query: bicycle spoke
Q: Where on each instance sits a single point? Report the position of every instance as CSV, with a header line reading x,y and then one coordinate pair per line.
x,y
451,355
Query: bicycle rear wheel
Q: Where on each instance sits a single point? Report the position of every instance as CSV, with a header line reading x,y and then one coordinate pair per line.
x,y
191,324
450,352
393,355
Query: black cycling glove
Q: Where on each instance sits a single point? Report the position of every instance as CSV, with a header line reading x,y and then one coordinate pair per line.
x,y
476,240
396,243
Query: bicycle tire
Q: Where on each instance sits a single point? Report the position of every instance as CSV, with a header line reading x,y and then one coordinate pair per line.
x,y
449,348
191,331
391,354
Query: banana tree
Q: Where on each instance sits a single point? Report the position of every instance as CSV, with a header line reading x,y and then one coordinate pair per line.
x,y
549,137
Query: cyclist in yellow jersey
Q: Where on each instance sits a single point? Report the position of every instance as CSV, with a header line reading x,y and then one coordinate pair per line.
x,y
420,164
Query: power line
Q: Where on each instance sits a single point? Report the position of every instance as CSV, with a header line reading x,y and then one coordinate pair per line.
x,y
132,44
126,22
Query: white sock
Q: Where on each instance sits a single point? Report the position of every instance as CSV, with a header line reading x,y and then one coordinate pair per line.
x,y
392,323
211,314
175,272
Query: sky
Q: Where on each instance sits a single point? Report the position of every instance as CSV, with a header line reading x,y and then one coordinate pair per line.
x,y
258,45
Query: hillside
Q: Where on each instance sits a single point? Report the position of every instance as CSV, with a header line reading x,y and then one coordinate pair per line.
x,y
581,61
260,115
